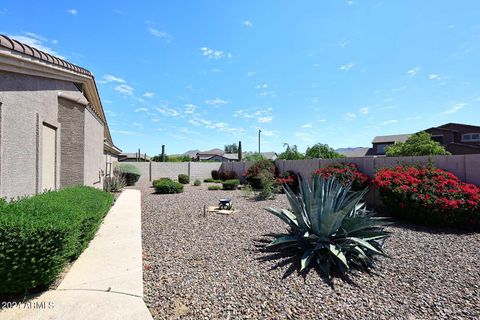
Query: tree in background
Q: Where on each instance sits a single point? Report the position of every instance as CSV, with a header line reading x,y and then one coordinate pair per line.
x,y
231,148
172,158
322,151
290,153
253,156
419,144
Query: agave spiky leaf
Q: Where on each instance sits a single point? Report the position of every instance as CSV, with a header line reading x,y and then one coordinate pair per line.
x,y
329,227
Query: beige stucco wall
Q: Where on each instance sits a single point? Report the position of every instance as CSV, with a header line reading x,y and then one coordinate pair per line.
x,y
26,102
93,150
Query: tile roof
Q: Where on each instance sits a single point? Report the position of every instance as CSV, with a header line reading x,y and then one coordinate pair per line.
x,y
391,138
23,48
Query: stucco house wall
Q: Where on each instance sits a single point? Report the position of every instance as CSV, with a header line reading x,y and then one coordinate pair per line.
x,y
26,103
93,151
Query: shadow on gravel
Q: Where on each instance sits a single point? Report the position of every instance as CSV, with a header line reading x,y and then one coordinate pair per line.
x,y
292,260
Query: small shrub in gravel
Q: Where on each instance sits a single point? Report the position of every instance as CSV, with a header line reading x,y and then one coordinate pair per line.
x,y
328,229
214,187
429,196
346,173
167,186
209,180
197,183
268,187
183,178
218,181
129,172
231,184
215,175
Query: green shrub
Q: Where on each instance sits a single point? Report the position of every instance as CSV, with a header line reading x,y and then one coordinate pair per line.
x,y
214,187
218,181
115,183
130,173
328,229
209,180
167,186
38,235
258,172
268,186
231,184
183,178
215,175
197,183
228,175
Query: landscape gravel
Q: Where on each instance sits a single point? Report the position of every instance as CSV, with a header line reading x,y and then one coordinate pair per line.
x,y
207,267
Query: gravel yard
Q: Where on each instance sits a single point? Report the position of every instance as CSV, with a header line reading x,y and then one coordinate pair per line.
x,y
199,267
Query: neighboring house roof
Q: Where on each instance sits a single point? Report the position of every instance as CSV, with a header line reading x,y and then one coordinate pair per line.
x,y
18,57
391,138
230,156
353,152
132,155
453,124
269,155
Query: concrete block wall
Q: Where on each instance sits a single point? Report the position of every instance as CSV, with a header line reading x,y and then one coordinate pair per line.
x,y
466,167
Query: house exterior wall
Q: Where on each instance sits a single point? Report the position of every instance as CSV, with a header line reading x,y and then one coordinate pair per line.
x,y
94,161
447,136
26,103
72,117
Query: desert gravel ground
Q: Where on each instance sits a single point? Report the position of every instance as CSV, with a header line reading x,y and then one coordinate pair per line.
x,y
198,267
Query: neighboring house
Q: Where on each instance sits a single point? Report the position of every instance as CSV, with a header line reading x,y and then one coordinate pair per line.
x,y
53,130
457,138
380,143
133,157
221,156
354,152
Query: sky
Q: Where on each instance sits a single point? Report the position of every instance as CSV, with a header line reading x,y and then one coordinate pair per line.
x,y
200,74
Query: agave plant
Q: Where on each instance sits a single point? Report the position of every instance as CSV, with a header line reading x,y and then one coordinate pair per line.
x,y
329,228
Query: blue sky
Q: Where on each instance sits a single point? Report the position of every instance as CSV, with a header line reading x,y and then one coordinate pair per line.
x,y
202,74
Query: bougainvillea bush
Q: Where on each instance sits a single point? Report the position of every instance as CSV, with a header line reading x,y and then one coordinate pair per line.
x,y
291,179
260,172
345,173
429,196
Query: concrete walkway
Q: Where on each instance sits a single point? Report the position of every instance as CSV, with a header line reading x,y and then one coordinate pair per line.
x,y
106,280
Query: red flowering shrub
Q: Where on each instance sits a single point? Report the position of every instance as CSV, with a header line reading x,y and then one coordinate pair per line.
x,y
345,173
427,195
259,172
291,179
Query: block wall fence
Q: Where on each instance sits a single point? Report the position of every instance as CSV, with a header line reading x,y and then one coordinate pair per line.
x,y
466,167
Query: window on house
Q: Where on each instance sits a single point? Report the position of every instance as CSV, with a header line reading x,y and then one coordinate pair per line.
x,y
471,137
381,148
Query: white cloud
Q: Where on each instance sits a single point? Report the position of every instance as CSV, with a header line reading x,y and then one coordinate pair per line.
x,y
112,78
124,89
455,108
160,34
347,66
110,113
141,110
306,125
271,94
250,73
216,102
350,115
433,76
268,133
364,110
37,42
261,86
190,108
127,133
73,12
169,112
215,54
413,72
385,123
265,119
247,23
149,94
